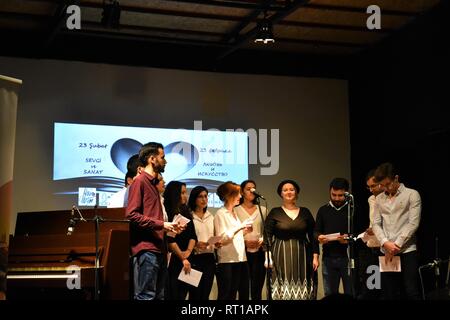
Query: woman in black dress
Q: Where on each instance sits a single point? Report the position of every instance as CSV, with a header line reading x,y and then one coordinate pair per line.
x,y
295,252
181,245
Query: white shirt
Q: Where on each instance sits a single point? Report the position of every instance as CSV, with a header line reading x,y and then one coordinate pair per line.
x,y
119,199
371,241
397,219
371,202
166,217
257,224
225,225
291,213
204,229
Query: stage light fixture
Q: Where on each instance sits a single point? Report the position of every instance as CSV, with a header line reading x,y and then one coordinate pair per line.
x,y
265,31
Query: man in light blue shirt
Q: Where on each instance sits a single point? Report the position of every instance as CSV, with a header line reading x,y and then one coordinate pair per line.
x,y
396,219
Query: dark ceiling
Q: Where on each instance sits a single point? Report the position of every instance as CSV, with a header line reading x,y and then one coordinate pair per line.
x,y
311,36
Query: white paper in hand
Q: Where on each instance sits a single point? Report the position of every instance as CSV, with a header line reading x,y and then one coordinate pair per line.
x,y
181,220
332,236
192,278
390,266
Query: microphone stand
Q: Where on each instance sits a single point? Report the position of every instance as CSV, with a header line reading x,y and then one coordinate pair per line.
x,y
267,253
97,219
350,246
437,261
435,265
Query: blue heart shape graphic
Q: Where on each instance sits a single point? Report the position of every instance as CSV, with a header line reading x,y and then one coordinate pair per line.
x,y
122,150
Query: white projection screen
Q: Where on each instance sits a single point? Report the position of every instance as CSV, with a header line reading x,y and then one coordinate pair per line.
x,y
90,161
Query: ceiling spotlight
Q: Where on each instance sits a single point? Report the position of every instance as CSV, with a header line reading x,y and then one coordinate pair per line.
x,y
264,31
111,14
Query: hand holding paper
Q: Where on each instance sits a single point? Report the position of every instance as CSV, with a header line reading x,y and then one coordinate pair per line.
x,y
180,221
192,278
324,238
369,239
390,264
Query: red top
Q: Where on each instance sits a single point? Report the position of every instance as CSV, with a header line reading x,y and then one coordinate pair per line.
x,y
144,210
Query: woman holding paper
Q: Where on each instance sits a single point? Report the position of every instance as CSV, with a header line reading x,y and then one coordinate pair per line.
x,y
253,240
181,245
232,269
203,259
295,252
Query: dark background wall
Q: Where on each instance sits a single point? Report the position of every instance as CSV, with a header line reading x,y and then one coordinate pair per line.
x,y
399,94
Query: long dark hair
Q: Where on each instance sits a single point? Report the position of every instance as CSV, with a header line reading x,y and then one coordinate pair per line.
x,y
243,184
172,200
194,195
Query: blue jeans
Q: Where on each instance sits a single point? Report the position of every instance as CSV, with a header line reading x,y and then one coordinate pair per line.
x,y
334,269
150,274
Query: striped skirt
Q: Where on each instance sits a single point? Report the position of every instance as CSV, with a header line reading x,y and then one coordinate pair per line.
x,y
292,277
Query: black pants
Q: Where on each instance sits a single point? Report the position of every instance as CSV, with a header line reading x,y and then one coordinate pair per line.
x,y
176,289
205,263
366,257
257,273
232,277
404,284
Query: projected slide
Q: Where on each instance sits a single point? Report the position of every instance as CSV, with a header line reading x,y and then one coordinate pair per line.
x,y
94,157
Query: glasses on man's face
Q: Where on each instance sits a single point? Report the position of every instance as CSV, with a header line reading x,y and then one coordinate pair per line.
x,y
373,186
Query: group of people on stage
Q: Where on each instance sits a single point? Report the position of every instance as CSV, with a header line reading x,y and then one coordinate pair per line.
x,y
241,241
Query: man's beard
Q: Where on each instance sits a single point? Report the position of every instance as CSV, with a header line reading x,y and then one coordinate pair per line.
x,y
337,203
159,169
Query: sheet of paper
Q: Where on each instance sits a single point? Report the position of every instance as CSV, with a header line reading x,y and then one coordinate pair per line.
x,y
362,236
182,220
390,266
332,236
214,240
370,241
192,278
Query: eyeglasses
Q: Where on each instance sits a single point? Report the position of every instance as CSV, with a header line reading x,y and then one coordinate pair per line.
x,y
373,186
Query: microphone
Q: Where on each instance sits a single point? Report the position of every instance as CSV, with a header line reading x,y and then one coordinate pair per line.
x,y
348,195
71,226
436,268
257,195
435,265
